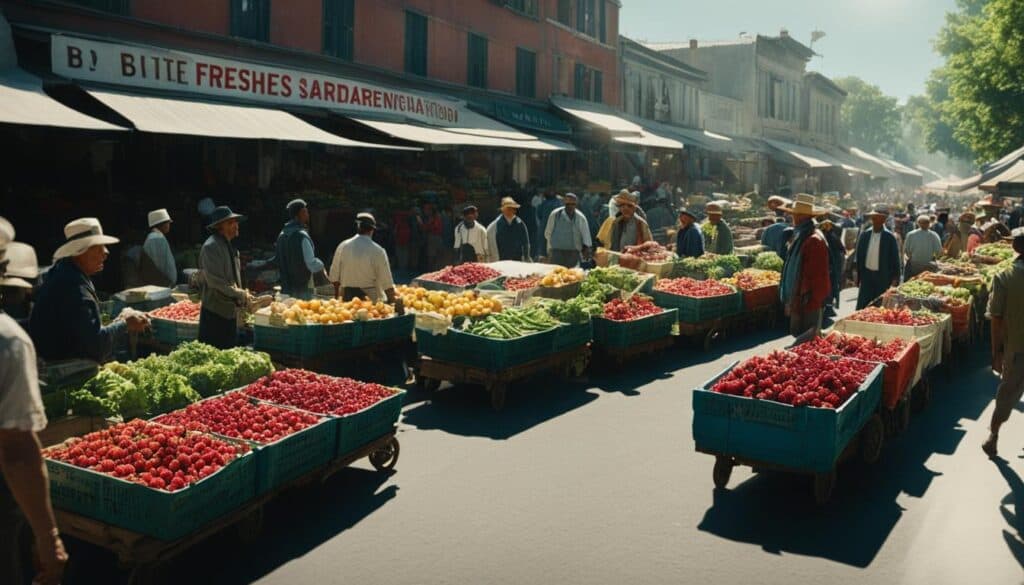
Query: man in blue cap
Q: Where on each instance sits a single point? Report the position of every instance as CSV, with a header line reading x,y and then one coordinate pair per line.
x,y
296,259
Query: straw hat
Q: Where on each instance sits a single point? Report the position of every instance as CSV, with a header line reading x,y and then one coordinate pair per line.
x,y
968,216
778,199
804,205
878,211
21,264
625,197
158,216
222,214
713,209
80,235
509,202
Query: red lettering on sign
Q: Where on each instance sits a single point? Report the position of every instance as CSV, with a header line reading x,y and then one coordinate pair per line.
x,y
355,99
272,81
216,75
314,90
200,72
243,79
286,85
303,92
328,92
230,78
343,93
389,101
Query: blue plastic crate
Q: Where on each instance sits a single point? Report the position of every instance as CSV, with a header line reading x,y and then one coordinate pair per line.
x,y
620,334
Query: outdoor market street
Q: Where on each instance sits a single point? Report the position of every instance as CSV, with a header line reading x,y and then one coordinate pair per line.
x,y
599,483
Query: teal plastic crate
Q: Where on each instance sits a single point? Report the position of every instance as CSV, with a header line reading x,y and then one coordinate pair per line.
x,y
798,438
441,286
390,329
697,310
360,428
162,515
173,332
572,335
300,340
459,347
293,456
340,336
620,334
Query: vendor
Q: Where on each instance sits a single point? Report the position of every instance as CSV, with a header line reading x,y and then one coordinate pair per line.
x,y
156,263
220,281
567,234
689,241
627,228
507,236
296,259
921,248
717,234
805,284
360,267
470,238
775,202
19,280
65,323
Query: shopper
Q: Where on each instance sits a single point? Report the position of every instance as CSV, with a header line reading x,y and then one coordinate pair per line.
x,y
660,215
19,280
775,202
24,485
1007,315
507,236
567,234
156,263
836,262
921,248
878,260
689,240
941,224
805,283
626,228
956,243
470,243
65,323
717,234
773,236
296,258
220,281
360,268
544,211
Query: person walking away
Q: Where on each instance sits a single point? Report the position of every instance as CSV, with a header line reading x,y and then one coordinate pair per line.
x,y
941,223
773,236
956,243
627,228
296,258
689,240
836,262
544,211
1007,315
65,322
360,267
470,243
24,484
922,247
717,234
156,263
805,282
567,234
507,236
220,281
878,260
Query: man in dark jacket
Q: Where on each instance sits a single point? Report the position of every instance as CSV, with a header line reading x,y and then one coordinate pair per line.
x,y
878,260
508,238
836,261
773,236
296,259
220,281
689,240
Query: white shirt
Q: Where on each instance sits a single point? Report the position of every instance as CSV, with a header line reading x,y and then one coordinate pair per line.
x,y
874,250
475,236
159,251
21,404
360,263
581,237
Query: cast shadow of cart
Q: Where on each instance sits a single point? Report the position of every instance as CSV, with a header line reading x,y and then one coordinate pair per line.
x,y
777,511
1012,509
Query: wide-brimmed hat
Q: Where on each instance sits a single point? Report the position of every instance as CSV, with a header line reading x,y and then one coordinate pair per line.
x,y
968,216
690,212
713,209
80,235
367,219
1017,232
803,204
158,216
509,202
221,214
779,199
21,264
625,196
878,211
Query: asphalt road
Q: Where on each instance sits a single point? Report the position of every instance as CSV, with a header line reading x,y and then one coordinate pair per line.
x,y
597,482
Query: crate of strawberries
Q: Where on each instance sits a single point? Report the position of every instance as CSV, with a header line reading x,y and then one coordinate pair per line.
x,y
632,321
176,323
697,300
931,330
798,411
157,480
457,278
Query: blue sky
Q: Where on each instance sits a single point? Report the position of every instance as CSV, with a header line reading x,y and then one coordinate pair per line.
x,y
886,42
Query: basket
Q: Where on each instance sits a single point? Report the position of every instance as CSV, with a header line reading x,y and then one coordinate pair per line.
x,y
698,310
621,334
761,297
459,347
171,332
293,456
360,428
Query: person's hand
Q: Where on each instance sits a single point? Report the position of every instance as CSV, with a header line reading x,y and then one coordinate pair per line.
x,y
52,559
997,361
136,322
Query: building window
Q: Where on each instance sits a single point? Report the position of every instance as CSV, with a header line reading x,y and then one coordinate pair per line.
x,y
250,19
565,12
586,17
339,28
597,93
602,21
114,6
476,61
528,7
588,84
526,73
415,43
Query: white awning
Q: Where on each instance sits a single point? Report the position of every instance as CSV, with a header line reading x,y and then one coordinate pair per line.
x,y
1013,174
198,118
813,158
620,128
904,169
650,140
488,133
874,163
23,101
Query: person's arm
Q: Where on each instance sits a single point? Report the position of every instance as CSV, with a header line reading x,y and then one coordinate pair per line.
x,y
313,264
996,311
335,274
526,243
584,226
492,241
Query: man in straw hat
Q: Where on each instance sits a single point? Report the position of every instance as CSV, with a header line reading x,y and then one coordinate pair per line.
x,y
956,243
360,268
19,280
507,236
878,259
805,284
156,263
689,241
220,281
626,228
65,323
921,247
1007,315
775,202
296,258
24,485
567,234
717,234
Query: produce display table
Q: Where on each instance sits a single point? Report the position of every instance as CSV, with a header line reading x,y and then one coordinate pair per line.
x,y
144,553
935,339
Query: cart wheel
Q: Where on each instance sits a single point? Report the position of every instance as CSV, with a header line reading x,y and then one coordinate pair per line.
x,y
824,484
722,471
921,395
385,458
711,337
248,529
497,390
872,436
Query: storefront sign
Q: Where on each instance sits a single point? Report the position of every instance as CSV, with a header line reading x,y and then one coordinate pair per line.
x,y
154,68
530,118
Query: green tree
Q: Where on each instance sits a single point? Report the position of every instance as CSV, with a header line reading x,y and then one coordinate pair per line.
x,y
871,118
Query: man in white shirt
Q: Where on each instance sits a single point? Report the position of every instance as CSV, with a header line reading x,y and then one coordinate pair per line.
x,y
470,237
921,247
156,264
878,260
360,267
567,234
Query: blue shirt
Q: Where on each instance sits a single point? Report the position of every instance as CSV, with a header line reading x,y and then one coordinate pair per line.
x,y
690,242
774,238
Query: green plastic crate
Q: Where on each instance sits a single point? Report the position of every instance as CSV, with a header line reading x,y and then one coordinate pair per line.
x,y
572,335
173,332
300,340
390,329
293,456
339,336
620,334
459,347
360,428
697,310
162,515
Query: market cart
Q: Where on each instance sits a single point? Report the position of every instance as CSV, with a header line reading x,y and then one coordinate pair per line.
x,y
618,341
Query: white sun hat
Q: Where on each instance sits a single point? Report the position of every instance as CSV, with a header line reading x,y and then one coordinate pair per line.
x,y
158,216
82,234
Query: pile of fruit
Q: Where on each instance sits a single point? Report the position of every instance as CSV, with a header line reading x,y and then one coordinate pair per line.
x,y
768,261
331,311
469,274
954,295
854,346
753,278
524,283
917,288
688,287
711,265
157,456
998,250
957,267
650,252
806,379
633,308
318,393
512,323
901,316
464,304
575,310
185,311
561,276
241,417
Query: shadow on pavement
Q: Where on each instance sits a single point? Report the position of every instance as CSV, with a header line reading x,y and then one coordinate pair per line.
x,y
776,510
1014,500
